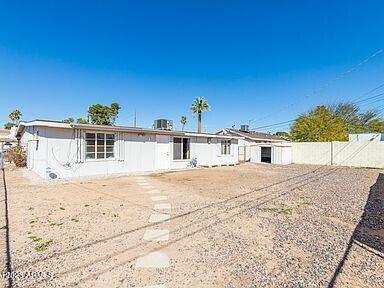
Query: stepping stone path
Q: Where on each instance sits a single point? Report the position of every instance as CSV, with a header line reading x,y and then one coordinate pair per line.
x,y
153,192
158,218
155,286
155,259
158,198
156,235
162,206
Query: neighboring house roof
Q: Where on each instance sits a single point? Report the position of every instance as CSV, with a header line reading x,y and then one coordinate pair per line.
x,y
7,135
252,135
58,124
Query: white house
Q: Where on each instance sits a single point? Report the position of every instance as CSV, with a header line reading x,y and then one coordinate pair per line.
x,y
252,142
62,150
7,137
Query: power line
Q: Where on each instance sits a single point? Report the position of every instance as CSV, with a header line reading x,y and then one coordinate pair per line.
x,y
362,102
327,84
369,98
273,125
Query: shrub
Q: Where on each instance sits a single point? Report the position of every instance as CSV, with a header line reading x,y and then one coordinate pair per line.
x,y
17,156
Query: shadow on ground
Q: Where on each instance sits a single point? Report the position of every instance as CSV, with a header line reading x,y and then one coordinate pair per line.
x,y
370,230
369,233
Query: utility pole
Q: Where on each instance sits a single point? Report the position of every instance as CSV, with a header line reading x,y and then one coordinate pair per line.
x,y
134,119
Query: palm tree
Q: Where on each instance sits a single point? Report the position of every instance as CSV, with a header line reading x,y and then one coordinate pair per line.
x,y
15,116
198,106
183,121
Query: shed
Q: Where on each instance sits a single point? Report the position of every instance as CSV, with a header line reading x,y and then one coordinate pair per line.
x,y
250,138
274,153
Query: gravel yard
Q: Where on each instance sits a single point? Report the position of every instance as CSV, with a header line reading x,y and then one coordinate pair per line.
x,y
245,226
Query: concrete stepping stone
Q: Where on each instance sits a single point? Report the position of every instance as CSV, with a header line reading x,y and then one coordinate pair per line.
x,y
156,235
159,198
153,192
162,206
154,218
153,260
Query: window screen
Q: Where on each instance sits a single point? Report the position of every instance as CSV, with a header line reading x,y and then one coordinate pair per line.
x,y
99,145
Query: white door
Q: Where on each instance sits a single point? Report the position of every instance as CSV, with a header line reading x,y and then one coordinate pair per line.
x,y
163,159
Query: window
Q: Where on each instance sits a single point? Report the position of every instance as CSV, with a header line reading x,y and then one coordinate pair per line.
x,y
181,149
99,145
225,147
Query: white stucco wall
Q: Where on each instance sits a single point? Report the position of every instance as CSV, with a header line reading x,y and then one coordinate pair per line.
x,y
356,154
55,152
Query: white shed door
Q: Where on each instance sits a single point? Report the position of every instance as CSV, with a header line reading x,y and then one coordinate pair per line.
x,y
163,159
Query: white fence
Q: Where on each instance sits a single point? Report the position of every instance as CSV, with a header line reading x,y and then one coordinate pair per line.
x,y
357,154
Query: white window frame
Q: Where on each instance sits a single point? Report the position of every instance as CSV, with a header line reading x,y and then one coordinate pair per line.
x,y
227,147
182,148
95,153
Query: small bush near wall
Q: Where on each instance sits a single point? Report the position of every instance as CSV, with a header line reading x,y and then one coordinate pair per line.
x,y
17,156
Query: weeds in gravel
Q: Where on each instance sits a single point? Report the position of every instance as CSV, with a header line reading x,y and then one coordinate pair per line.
x,y
86,205
43,246
56,224
32,221
34,238
115,215
285,211
30,208
62,208
306,201
273,210
3,227
75,220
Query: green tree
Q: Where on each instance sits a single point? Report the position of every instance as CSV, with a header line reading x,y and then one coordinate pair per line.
x,y
81,121
9,125
283,134
356,121
183,121
103,115
199,105
319,124
69,120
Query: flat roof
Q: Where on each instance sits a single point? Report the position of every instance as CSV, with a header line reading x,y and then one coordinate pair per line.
x,y
59,124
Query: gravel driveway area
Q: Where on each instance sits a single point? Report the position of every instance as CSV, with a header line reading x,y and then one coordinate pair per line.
x,y
251,225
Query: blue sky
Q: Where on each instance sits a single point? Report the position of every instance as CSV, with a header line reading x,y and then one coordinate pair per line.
x,y
262,60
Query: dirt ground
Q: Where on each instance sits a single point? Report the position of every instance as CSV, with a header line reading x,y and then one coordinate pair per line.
x,y
245,226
